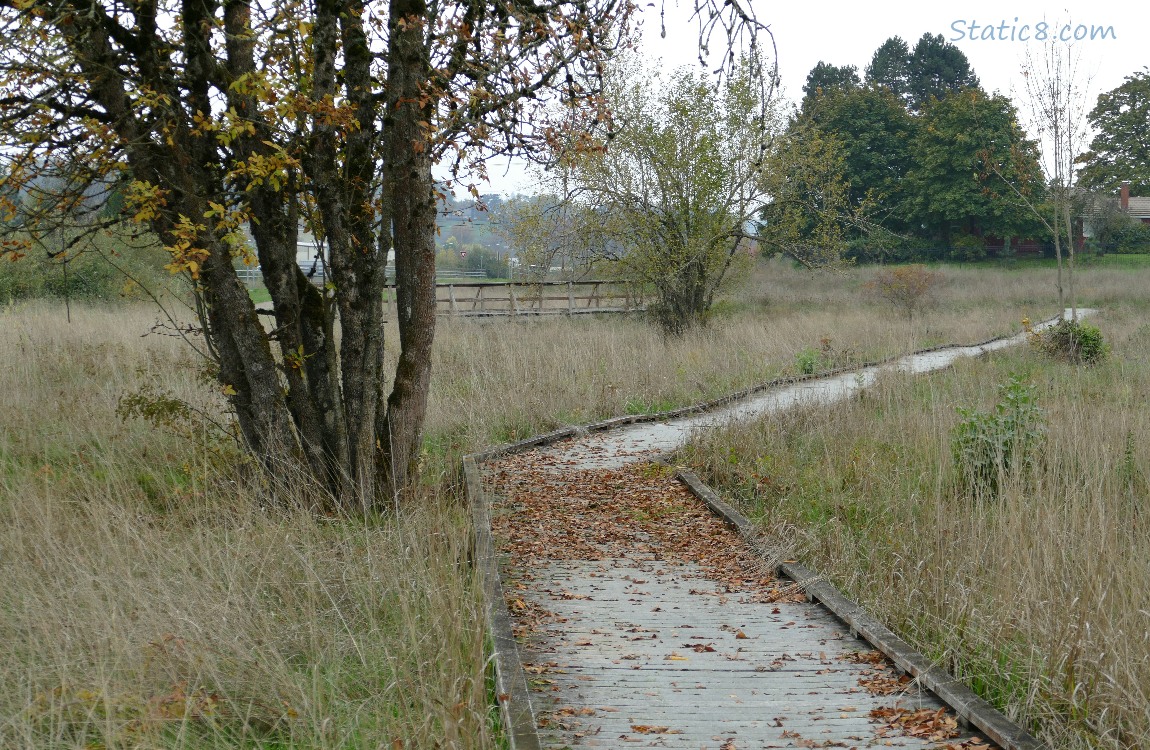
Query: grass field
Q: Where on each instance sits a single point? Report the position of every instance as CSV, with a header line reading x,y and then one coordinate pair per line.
x,y
1084,261
153,598
1038,596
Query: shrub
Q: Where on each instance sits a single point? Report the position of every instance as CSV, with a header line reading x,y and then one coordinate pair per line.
x,y
909,288
827,357
95,272
808,361
1076,342
987,446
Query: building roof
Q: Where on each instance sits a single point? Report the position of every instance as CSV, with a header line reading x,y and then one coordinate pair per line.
x,y
1139,207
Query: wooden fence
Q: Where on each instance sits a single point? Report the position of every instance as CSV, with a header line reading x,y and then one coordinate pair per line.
x,y
510,298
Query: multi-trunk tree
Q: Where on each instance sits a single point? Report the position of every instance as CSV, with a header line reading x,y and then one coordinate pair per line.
x,y
209,115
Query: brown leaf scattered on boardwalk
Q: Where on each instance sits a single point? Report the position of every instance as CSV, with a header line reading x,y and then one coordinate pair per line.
x,y
934,725
971,744
647,729
881,678
598,514
546,515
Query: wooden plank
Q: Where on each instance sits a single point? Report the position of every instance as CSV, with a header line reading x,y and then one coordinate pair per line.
x,y
565,687
965,702
628,641
512,692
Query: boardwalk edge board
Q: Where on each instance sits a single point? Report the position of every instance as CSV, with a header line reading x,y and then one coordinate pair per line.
x,y
512,693
965,702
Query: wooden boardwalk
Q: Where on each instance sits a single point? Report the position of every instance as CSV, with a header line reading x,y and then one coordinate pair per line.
x,y
639,618
647,655
627,641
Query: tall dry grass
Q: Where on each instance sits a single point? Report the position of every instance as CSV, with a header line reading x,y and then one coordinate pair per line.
x,y
1039,598
154,598
502,380
151,598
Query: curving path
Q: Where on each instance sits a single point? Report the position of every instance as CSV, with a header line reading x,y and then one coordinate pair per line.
x,y
645,621
636,442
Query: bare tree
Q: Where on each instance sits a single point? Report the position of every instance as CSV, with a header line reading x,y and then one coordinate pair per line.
x,y
1056,94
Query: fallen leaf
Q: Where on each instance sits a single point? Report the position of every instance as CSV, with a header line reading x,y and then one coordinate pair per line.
x,y
648,729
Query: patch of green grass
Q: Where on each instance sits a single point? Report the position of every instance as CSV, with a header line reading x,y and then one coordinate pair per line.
x,y
640,405
1115,260
1081,260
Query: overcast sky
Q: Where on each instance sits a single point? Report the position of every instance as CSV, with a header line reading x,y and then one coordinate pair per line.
x,y
847,33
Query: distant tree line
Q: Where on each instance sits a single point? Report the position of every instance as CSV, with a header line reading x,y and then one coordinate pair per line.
x,y
935,167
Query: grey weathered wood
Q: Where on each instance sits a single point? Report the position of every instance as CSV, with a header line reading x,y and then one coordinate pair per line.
x,y
965,702
623,646
510,679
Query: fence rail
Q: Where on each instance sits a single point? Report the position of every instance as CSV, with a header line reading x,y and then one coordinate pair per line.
x,y
511,298
253,277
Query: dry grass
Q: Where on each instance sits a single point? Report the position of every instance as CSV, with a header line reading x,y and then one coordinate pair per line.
x,y
501,380
1041,598
150,601
153,599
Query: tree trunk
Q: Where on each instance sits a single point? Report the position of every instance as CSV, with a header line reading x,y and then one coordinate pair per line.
x,y
1070,255
407,175
232,113
1058,261
346,206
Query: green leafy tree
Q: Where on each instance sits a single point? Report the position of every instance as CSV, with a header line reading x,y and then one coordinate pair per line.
x,y
1112,229
484,259
948,190
877,129
876,133
937,68
809,215
825,78
890,67
1120,151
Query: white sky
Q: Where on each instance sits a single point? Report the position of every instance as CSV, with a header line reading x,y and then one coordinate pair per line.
x,y
847,33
